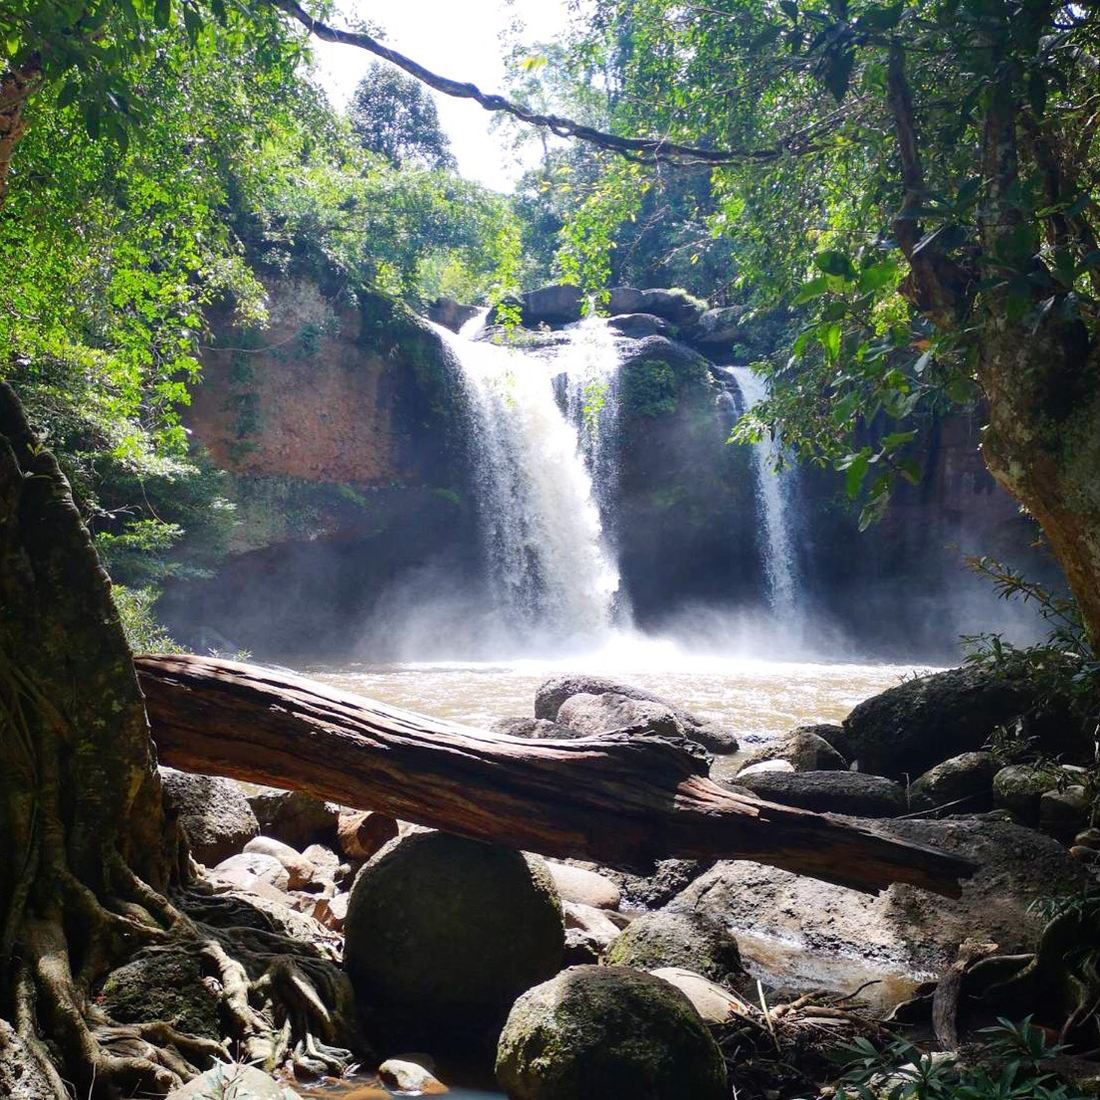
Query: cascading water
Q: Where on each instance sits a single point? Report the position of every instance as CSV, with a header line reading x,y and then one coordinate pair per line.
x,y
551,574
771,495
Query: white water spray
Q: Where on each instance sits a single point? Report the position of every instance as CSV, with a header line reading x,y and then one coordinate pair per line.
x,y
551,573
779,564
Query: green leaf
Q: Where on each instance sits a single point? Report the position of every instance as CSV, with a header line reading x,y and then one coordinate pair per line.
x,y
855,467
162,13
789,8
874,511
813,289
835,263
878,275
829,337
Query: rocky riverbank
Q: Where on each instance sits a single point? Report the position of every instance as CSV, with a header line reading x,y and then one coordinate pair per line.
x,y
580,981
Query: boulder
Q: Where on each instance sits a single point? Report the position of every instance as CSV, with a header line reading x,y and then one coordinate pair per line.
x,y
450,314
539,729
332,912
233,1081
443,933
966,779
553,692
294,817
213,812
693,940
581,947
804,751
835,734
300,871
584,886
1019,788
639,325
609,711
669,877
716,1005
719,326
800,932
830,792
555,305
410,1077
262,866
164,984
675,305
922,722
1062,813
600,928
596,1032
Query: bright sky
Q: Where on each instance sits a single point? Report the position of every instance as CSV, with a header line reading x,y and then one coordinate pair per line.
x,y
460,39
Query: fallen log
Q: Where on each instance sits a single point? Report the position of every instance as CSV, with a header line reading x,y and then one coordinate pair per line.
x,y
621,801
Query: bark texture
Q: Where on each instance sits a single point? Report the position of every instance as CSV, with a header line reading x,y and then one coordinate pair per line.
x,y
16,86
86,855
624,801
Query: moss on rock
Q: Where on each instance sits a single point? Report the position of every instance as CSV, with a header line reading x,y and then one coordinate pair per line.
x,y
690,940
595,1032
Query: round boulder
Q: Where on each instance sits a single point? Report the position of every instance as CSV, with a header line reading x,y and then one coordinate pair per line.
x,y
213,812
1019,788
443,933
966,778
694,941
536,729
595,1032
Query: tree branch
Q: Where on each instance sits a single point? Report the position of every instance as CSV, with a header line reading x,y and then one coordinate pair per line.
x,y
937,286
645,150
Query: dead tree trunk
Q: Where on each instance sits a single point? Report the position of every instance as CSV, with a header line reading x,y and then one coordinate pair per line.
x,y
621,801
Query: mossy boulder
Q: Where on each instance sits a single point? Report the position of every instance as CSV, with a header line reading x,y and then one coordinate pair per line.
x,y
165,985
593,1033
690,940
213,812
443,933
966,778
832,792
922,722
1019,788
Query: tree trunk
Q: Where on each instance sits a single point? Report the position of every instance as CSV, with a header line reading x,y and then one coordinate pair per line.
x,y
1040,370
85,852
622,801
16,86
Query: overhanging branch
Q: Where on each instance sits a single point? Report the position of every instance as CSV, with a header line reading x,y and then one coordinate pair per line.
x,y
646,150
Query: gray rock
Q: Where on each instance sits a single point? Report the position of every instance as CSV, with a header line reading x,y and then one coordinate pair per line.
x,y
595,1032
715,1004
720,326
450,314
673,305
921,722
407,1076
965,779
830,792
294,817
669,877
262,865
692,940
213,812
804,751
537,729
610,705
624,299
766,766
443,933
584,886
167,985
1019,788
639,325
832,732
1062,813
582,947
233,1082
800,932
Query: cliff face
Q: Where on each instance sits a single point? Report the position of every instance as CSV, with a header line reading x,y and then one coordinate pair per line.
x,y
343,434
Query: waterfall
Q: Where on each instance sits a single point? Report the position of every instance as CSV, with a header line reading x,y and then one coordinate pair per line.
x,y
771,495
551,573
